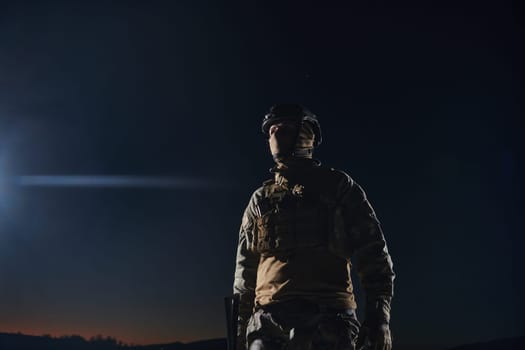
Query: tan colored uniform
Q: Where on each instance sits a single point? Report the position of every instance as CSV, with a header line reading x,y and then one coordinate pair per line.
x,y
297,236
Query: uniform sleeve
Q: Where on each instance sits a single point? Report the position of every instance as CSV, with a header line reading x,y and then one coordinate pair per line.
x,y
369,251
246,269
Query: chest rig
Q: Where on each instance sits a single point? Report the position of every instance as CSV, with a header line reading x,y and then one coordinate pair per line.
x,y
291,215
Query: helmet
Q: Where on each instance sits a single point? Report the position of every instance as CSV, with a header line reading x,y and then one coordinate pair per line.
x,y
293,112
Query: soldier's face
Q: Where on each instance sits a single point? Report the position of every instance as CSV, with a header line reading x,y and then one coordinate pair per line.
x,y
282,137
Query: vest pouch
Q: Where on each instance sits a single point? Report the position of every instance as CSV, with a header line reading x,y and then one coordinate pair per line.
x,y
265,233
284,234
339,241
274,232
310,225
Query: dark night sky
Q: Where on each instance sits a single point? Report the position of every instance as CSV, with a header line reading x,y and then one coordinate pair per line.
x,y
418,102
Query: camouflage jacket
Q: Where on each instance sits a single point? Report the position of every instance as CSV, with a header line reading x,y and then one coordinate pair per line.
x,y
300,234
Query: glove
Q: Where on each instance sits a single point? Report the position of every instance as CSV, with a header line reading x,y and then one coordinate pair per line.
x,y
375,332
374,338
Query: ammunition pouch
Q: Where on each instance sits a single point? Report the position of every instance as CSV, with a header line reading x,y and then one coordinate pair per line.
x,y
286,221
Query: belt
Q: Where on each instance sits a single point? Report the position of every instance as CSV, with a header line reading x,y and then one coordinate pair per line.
x,y
303,306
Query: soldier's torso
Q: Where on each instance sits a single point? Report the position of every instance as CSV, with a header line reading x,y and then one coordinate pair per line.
x,y
295,210
295,220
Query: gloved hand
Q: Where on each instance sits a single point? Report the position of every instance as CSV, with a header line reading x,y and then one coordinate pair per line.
x,y
377,337
375,331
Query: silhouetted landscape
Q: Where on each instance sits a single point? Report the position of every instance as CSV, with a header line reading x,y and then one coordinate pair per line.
x,y
18,341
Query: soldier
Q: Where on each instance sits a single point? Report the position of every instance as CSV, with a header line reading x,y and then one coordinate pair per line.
x,y
298,234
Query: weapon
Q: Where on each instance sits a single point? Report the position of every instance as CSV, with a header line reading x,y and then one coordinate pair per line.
x,y
231,304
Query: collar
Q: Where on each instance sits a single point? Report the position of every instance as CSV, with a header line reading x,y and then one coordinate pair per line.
x,y
292,165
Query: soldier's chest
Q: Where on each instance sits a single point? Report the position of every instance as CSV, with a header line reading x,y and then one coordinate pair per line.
x,y
291,215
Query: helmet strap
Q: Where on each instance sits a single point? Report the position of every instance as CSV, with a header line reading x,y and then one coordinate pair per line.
x,y
303,153
302,149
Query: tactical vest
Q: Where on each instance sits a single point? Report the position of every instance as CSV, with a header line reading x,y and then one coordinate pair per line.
x,y
292,216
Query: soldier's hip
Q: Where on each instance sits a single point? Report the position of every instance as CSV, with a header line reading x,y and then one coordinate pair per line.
x,y
302,325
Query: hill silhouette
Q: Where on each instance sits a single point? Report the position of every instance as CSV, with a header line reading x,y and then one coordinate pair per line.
x,y
18,341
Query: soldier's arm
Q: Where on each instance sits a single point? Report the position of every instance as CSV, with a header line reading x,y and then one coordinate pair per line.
x,y
245,272
369,253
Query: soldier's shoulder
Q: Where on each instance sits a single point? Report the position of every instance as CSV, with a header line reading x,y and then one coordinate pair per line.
x,y
267,183
258,193
337,176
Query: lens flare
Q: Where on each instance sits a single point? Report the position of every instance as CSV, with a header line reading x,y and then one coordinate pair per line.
x,y
122,181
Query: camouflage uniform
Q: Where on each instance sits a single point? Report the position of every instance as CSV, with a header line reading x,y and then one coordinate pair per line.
x,y
298,234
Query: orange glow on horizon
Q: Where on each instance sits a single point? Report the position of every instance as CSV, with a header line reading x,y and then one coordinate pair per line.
x,y
87,334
